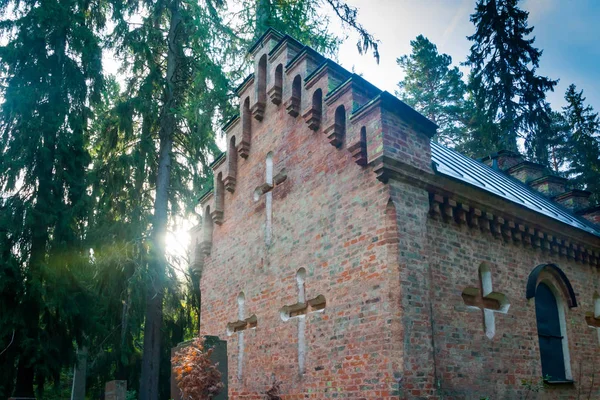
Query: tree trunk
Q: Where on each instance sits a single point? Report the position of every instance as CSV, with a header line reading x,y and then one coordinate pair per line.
x,y
149,388
30,306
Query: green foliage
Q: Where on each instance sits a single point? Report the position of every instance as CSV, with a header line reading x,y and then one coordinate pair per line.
x,y
51,63
503,81
434,88
580,146
81,243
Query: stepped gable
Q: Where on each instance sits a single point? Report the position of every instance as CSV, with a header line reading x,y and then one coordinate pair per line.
x,y
386,135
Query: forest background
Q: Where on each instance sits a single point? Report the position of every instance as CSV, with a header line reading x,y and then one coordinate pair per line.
x,y
110,115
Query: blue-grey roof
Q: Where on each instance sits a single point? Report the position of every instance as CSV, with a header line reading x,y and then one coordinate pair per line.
x,y
458,166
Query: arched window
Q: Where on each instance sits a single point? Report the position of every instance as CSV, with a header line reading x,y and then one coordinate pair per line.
x,y
269,168
261,80
219,200
340,118
293,107
552,333
336,132
207,231
276,91
232,155
258,109
244,146
313,117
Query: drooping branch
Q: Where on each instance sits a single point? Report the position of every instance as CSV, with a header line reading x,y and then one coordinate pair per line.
x,y
349,16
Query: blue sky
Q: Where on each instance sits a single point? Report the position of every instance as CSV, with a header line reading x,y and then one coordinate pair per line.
x,y
568,31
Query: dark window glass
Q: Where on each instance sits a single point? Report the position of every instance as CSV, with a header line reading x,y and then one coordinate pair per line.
x,y
549,332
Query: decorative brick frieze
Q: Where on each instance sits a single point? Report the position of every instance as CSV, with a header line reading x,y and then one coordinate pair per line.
x,y
449,210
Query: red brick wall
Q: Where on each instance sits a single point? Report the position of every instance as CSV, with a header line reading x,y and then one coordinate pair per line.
x,y
395,324
471,366
329,218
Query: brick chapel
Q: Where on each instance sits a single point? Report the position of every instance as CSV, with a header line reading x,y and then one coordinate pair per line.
x,y
346,255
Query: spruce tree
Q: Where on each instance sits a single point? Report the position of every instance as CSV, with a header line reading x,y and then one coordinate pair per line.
x,y
503,78
581,147
434,88
52,73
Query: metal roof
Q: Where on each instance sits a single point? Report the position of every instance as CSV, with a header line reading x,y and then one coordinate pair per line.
x,y
458,166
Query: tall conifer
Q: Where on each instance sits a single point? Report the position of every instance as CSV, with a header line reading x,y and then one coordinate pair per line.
x,y
581,147
51,64
504,79
434,88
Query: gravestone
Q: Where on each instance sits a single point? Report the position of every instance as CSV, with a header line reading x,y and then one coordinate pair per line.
x,y
219,355
115,390
79,375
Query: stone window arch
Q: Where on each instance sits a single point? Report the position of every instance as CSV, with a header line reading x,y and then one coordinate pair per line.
x,y
553,295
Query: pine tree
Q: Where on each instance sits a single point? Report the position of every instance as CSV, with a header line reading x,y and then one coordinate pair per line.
x,y
434,88
581,147
503,78
51,63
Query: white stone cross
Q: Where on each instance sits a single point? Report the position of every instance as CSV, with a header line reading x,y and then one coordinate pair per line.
x,y
299,311
485,299
239,327
267,189
593,319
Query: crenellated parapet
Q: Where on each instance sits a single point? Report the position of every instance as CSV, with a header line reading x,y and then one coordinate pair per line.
x,y
380,132
351,114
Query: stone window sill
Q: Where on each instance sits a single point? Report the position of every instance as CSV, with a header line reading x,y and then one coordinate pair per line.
x,y
559,383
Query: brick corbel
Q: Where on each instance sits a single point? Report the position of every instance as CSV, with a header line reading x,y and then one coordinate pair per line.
x,y
244,149
359,152
205,248
217,216
313,118
275,93
292,106
335,134
230,182
258,110
445,208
